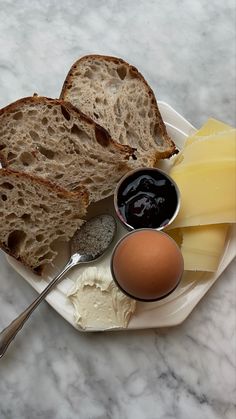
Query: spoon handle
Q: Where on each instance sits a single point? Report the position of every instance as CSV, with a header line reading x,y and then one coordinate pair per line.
x,y
9,333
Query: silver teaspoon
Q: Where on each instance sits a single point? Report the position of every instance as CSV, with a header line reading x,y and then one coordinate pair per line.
x,y
87,245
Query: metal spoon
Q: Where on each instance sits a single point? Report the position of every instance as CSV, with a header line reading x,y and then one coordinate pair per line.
x,y
87,245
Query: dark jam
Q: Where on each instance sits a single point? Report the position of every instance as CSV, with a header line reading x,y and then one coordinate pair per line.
x,y
147,199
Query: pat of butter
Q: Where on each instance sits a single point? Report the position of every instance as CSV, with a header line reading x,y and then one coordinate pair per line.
x,y
201,247
98,303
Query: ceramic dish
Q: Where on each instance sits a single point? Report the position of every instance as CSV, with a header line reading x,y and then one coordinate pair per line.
x,y
168,312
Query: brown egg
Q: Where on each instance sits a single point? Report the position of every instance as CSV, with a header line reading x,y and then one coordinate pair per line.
x,y
147,264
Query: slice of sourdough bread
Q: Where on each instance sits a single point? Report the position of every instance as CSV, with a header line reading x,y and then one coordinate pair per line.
x,y
34,215
115,95
54,140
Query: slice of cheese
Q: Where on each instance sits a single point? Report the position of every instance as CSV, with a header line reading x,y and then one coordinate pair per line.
x,y
219,147
211,127
205,172
201,247
208,193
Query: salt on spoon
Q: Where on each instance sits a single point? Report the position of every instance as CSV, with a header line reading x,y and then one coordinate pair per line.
x,y
87,245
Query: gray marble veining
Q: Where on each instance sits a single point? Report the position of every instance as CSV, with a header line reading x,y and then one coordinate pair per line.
x,y
186,50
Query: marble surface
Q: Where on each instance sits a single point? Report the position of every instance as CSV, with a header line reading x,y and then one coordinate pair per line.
x,y
186,50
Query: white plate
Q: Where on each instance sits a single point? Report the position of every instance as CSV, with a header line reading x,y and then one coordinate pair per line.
x,y
169,312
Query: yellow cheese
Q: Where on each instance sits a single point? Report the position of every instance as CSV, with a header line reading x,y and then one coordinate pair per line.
x,y
205,172
219,147
211,127
201,247
208,193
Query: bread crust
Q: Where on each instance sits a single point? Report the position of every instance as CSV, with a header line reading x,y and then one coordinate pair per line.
x,y
172,148
38,271
79,193
12,107
19,259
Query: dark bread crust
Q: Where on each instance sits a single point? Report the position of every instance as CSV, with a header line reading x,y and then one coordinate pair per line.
x,y
102,136
134,71
38,271
19,259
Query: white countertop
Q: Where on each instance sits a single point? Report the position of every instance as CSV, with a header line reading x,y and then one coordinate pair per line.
x,y
186,51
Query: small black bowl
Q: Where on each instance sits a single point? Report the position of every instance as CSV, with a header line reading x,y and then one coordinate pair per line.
x,y
146,198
